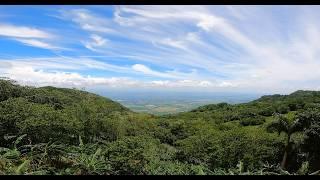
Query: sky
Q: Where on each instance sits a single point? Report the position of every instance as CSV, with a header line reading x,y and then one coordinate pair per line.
x,y
265,49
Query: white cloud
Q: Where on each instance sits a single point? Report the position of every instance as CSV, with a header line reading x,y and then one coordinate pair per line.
x,y
173,43
29,36
22,32
146,70
96,42
187,83
226,84
64,63
160,83
208,22
142,68
99,41
38,43
85,63
95,28
28,75
88,21
205,84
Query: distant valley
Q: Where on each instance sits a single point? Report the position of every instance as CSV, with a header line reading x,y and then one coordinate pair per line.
x,y
160,103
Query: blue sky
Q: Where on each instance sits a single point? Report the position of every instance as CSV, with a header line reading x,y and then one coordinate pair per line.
x,y
189,48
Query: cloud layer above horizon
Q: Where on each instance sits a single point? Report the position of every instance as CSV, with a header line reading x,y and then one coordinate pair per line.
x,y
215,48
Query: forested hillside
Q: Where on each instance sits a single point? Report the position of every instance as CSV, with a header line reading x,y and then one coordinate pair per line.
x,y
60,131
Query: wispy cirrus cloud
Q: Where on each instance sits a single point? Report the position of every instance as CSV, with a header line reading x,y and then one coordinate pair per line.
x,y
87,20
29,36
256,48
22,32
198,37
37,43
95,41
147,71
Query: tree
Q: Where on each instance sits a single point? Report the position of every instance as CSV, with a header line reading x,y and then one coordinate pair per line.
x,y
283,109
252,121
311,141
8,89
267,111
312,144
283,124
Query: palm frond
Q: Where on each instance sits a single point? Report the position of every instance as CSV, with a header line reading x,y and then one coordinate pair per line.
x,y
281,124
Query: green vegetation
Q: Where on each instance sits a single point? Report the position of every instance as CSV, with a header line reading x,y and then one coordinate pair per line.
x,y
66,131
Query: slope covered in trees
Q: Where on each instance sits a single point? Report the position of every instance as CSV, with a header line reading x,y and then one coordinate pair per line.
x,y
65,131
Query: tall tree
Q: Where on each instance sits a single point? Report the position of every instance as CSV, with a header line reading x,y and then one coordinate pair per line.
x,y
283,124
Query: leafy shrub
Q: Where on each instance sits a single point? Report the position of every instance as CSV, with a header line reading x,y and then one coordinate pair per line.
x,y
252,121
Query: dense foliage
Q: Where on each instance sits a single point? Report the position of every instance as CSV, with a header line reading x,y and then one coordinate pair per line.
x,y
66,131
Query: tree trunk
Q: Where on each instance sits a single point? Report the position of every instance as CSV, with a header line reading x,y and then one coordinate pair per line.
x,y
284,159
285,156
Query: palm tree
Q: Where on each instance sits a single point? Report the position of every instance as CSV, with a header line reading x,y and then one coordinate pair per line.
x,y
283,124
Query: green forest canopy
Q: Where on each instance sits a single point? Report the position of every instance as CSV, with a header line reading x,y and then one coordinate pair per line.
x,y
58,131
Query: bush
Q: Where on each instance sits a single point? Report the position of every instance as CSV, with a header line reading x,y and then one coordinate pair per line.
x,y
252,121
268,111
283,109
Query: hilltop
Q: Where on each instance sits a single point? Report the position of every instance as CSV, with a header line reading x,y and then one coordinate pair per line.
x,y
55,113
